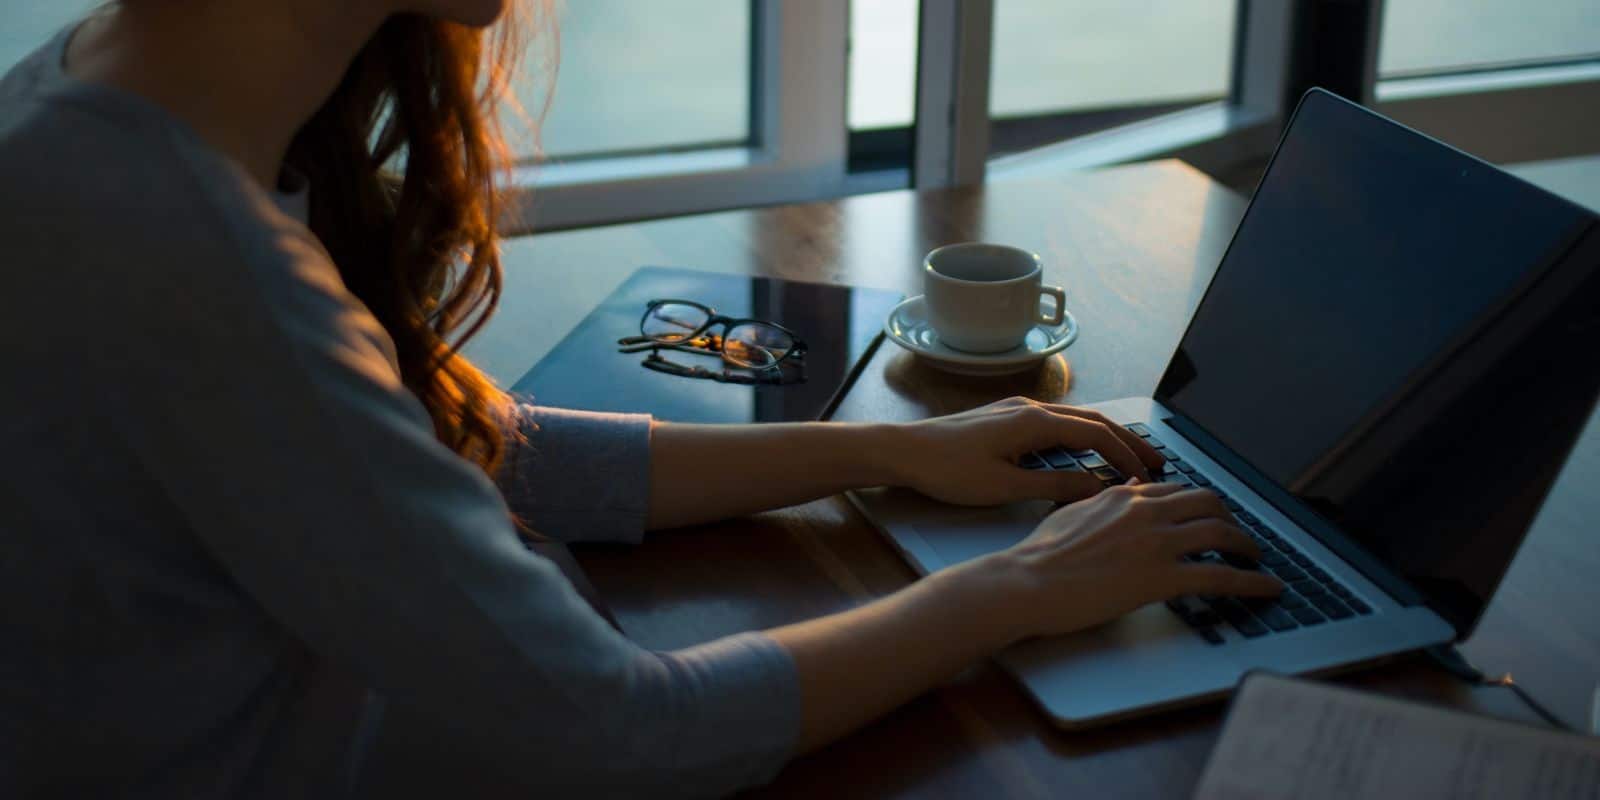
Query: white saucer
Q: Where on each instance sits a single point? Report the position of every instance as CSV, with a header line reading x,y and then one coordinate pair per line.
x,y
908,327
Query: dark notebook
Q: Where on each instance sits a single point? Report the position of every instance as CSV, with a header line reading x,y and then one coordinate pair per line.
x,y
840,325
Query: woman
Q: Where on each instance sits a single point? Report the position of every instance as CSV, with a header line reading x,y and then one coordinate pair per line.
x,y
251,478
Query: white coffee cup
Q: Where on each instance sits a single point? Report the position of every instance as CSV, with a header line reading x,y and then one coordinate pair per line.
x,y
984,298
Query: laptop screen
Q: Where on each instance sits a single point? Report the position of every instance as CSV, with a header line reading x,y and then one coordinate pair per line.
x,y
1356,346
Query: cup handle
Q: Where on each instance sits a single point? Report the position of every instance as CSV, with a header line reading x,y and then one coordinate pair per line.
x,y
1060,314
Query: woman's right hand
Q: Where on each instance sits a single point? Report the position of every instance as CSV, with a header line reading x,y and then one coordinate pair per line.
x,y
1088,563
1097,559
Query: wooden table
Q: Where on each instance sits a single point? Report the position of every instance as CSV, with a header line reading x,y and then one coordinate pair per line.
x,y
1135,247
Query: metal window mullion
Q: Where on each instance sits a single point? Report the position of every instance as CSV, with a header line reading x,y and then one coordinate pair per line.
x,y
951,142
1263,53
803,83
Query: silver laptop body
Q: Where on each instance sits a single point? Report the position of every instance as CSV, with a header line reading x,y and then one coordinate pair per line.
x,y
1152,659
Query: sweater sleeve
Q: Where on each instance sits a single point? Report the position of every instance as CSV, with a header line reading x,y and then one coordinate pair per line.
x,y
273,416
579,476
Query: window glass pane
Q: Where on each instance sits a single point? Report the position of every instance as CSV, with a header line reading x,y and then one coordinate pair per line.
x,y
1421,36
647,76
1052,56
883,63
26,24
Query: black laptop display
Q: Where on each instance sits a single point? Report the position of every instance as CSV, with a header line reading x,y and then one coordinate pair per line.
x,y
1409,348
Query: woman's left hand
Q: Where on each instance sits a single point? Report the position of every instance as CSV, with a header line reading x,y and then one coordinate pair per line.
x,y
971,458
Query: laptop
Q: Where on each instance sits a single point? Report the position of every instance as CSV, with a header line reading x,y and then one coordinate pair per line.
x,y
1387,372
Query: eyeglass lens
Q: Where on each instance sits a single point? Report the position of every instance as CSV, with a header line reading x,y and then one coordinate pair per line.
x,y
753,344
673,322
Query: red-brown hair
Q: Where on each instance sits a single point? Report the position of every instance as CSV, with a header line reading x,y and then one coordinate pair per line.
x,y
404,160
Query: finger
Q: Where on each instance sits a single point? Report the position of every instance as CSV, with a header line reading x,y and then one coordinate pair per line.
x,y
1188,504
1087,433
1141,448
1224,580
1200,535
1152,488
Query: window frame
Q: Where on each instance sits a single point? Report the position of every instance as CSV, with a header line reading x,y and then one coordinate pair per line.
x,y
798,148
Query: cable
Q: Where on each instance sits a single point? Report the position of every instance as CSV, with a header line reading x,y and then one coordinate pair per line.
x,y
1456,664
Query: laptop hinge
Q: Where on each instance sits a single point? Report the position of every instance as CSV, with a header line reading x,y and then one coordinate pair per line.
x,y
1292,507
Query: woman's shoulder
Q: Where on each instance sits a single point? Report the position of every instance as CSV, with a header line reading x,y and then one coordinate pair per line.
x,y
127,216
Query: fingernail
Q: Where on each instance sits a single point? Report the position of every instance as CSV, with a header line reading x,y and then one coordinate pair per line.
x,y
1133,481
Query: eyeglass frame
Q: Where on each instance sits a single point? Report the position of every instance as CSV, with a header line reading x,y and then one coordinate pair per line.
x,y
634,344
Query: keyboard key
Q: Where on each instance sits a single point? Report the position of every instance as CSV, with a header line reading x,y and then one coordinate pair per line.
x,y
1248,627
1319,573
1092,461
1182,466
1248,518
1277,619
1330,605
1210,635
1107,475
1306,615
1139,428
1030,461
1189,607
1082,453
1199,480
1237,561
1311,589
1300,560
1267,533
1058,458
1288,572
1230,609
1232,505
1290,600
1166,453
1359,607
1176,477
1273,559
1339,591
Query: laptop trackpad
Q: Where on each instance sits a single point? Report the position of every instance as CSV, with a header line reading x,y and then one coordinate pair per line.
x,y
960,534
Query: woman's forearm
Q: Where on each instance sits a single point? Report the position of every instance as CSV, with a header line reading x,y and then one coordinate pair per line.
x,y
700,473
860,664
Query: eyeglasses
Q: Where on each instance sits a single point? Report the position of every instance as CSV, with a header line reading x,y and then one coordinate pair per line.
x,y
686,325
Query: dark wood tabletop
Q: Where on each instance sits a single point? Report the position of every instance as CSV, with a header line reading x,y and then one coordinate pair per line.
x,y
1134,247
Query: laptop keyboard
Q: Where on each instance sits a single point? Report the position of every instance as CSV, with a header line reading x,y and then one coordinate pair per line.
x,y
1310,597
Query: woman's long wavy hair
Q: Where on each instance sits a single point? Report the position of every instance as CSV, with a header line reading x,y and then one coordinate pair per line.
x,y
403,160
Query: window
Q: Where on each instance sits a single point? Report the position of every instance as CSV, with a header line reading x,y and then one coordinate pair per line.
x,y
1506,80
1061,68
27,24
882,90
1432,36
883,64
647,77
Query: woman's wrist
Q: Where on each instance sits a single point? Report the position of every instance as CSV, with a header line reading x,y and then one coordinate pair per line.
x,y
985,599
883,452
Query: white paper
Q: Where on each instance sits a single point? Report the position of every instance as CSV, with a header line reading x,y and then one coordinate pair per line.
x,y
1294,738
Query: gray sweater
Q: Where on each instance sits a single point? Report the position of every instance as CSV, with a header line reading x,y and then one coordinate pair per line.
x,y
228,526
